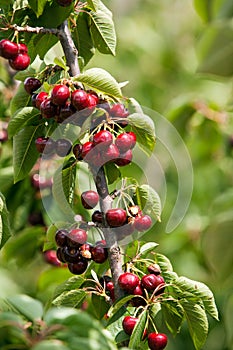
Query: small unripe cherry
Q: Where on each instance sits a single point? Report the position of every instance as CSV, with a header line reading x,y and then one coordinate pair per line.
x,y
89,199
128,281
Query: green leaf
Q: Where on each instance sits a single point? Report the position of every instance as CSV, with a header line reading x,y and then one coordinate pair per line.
x,y
112,172
118,305
40,44
201,291
147,248
149,200
20,99
72,283
143,127
24,150
100,306
72,298
102,30
53,344
37,6
137,335
82,38
100,80
215,50
5,231
204,9
173,315
63,187
30,308
22,117
197,322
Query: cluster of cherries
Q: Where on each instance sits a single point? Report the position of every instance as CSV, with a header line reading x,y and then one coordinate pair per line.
x,y
17,54
74,250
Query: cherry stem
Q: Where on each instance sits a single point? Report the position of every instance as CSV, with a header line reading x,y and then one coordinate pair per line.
x,y
115,256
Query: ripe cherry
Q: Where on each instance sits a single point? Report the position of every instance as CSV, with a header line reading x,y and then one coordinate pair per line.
x,y
3,135
45,145
86,148
48,109
79,267
128,324
31,84
124,158
60,94
20,62
157,341
151,281
79,99
50,256
77,150
8,49
154,268
60,255
118,111
61,237
63,147
99,254
40,97
77,237
128,281
142,223
22,48
64,3
112,153
65,112
89,199
125,141
71,255
116,217
103,138
97,216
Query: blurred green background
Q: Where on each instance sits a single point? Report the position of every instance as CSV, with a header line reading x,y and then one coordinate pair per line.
x,y
167,52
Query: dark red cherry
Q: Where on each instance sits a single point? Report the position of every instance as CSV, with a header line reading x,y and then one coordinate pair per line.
x,y
118,111
77,151
71,255
128,281
45,145
79,99
125,141
97,216
40,97
112,153
22,48
63,147
99,254
77,237
124,158
20,62
8,49
128,324
79,267
157,341
60,255
60,94
116,217
31,84
61,237
89,199
151,281
142,223
48,109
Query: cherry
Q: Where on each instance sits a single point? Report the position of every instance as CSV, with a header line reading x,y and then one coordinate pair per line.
x,y
142,223
77,237
20,62
79,99
125,141
22,48
40,97
71,255
63,147
50,257
118,110
124,158
48,109
116,217
128,281
61,237
157,341
40,182
103,138
31,85
77,151
99,254
79,267
92,100
8,49
45,145
112,153
3,136
135,210
60,255
60,94
155,269
151,281
86,148
65,112
128,324
97,216
89,199
64,3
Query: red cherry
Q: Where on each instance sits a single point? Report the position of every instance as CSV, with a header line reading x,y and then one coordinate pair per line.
x,y
97,216
60,94
103,138
151,281
125,141
118,110
40,97
31,85
124,158
79,267
129,323
112,153
65,112
142,223
79,99
71,254
63,147
155,269
45,145
157,341
76,237
8,49
99,254
22,48
89,199
20,62
3,135
40,182
61,237
116,217
86,148
60,255
128,281
50,256
48,109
